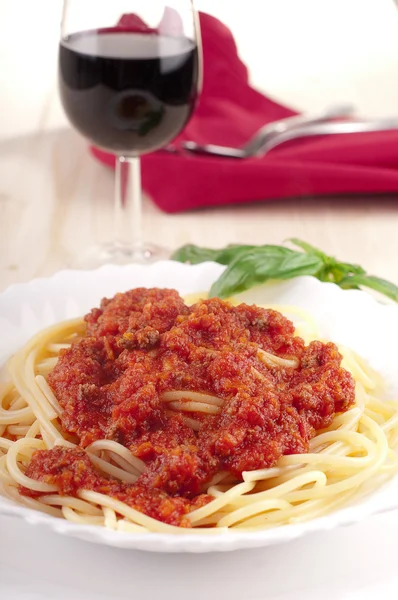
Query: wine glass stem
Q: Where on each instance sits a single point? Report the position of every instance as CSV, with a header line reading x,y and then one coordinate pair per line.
x,y
128,202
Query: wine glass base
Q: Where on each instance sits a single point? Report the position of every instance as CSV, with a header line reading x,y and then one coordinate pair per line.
x,y
120,254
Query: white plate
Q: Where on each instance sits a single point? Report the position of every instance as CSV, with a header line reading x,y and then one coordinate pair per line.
x,y
352,318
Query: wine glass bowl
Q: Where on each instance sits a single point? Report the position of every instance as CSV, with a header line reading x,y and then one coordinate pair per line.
x,y
129,86
115,115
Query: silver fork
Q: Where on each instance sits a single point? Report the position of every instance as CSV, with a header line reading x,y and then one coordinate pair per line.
x,y
287,130
267,134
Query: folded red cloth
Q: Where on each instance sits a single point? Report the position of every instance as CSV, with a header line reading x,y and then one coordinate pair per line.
x,y
229,113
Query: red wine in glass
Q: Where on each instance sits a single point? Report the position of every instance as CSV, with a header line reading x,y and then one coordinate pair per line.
x,y
130,91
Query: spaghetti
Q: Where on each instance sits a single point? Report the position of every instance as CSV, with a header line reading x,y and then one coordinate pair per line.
x,y
75,444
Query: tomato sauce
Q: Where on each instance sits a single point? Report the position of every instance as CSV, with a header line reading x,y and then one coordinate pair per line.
x,y
146,342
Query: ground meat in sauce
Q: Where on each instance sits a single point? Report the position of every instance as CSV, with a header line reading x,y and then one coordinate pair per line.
x,y
146,342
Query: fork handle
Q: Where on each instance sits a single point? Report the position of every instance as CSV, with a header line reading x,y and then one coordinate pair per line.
x,y
263,136
319,129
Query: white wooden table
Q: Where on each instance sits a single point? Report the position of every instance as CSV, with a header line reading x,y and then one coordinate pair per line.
x,y
56,200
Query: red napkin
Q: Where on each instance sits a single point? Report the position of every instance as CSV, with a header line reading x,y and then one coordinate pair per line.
x,y
229,113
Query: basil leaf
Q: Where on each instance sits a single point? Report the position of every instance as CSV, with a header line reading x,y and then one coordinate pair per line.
x,y
334,269
308,248
348,268
370,281
250,265
335,272
195,254
260,264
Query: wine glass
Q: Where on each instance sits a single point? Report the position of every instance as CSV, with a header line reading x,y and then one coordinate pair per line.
x,y
129,79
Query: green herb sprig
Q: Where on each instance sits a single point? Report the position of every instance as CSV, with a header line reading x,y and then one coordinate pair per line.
x,y
251,265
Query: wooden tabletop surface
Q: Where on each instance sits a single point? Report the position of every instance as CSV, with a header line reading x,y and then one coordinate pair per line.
x,y
55,199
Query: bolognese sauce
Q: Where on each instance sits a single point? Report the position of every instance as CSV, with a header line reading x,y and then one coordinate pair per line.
x,y
141,375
